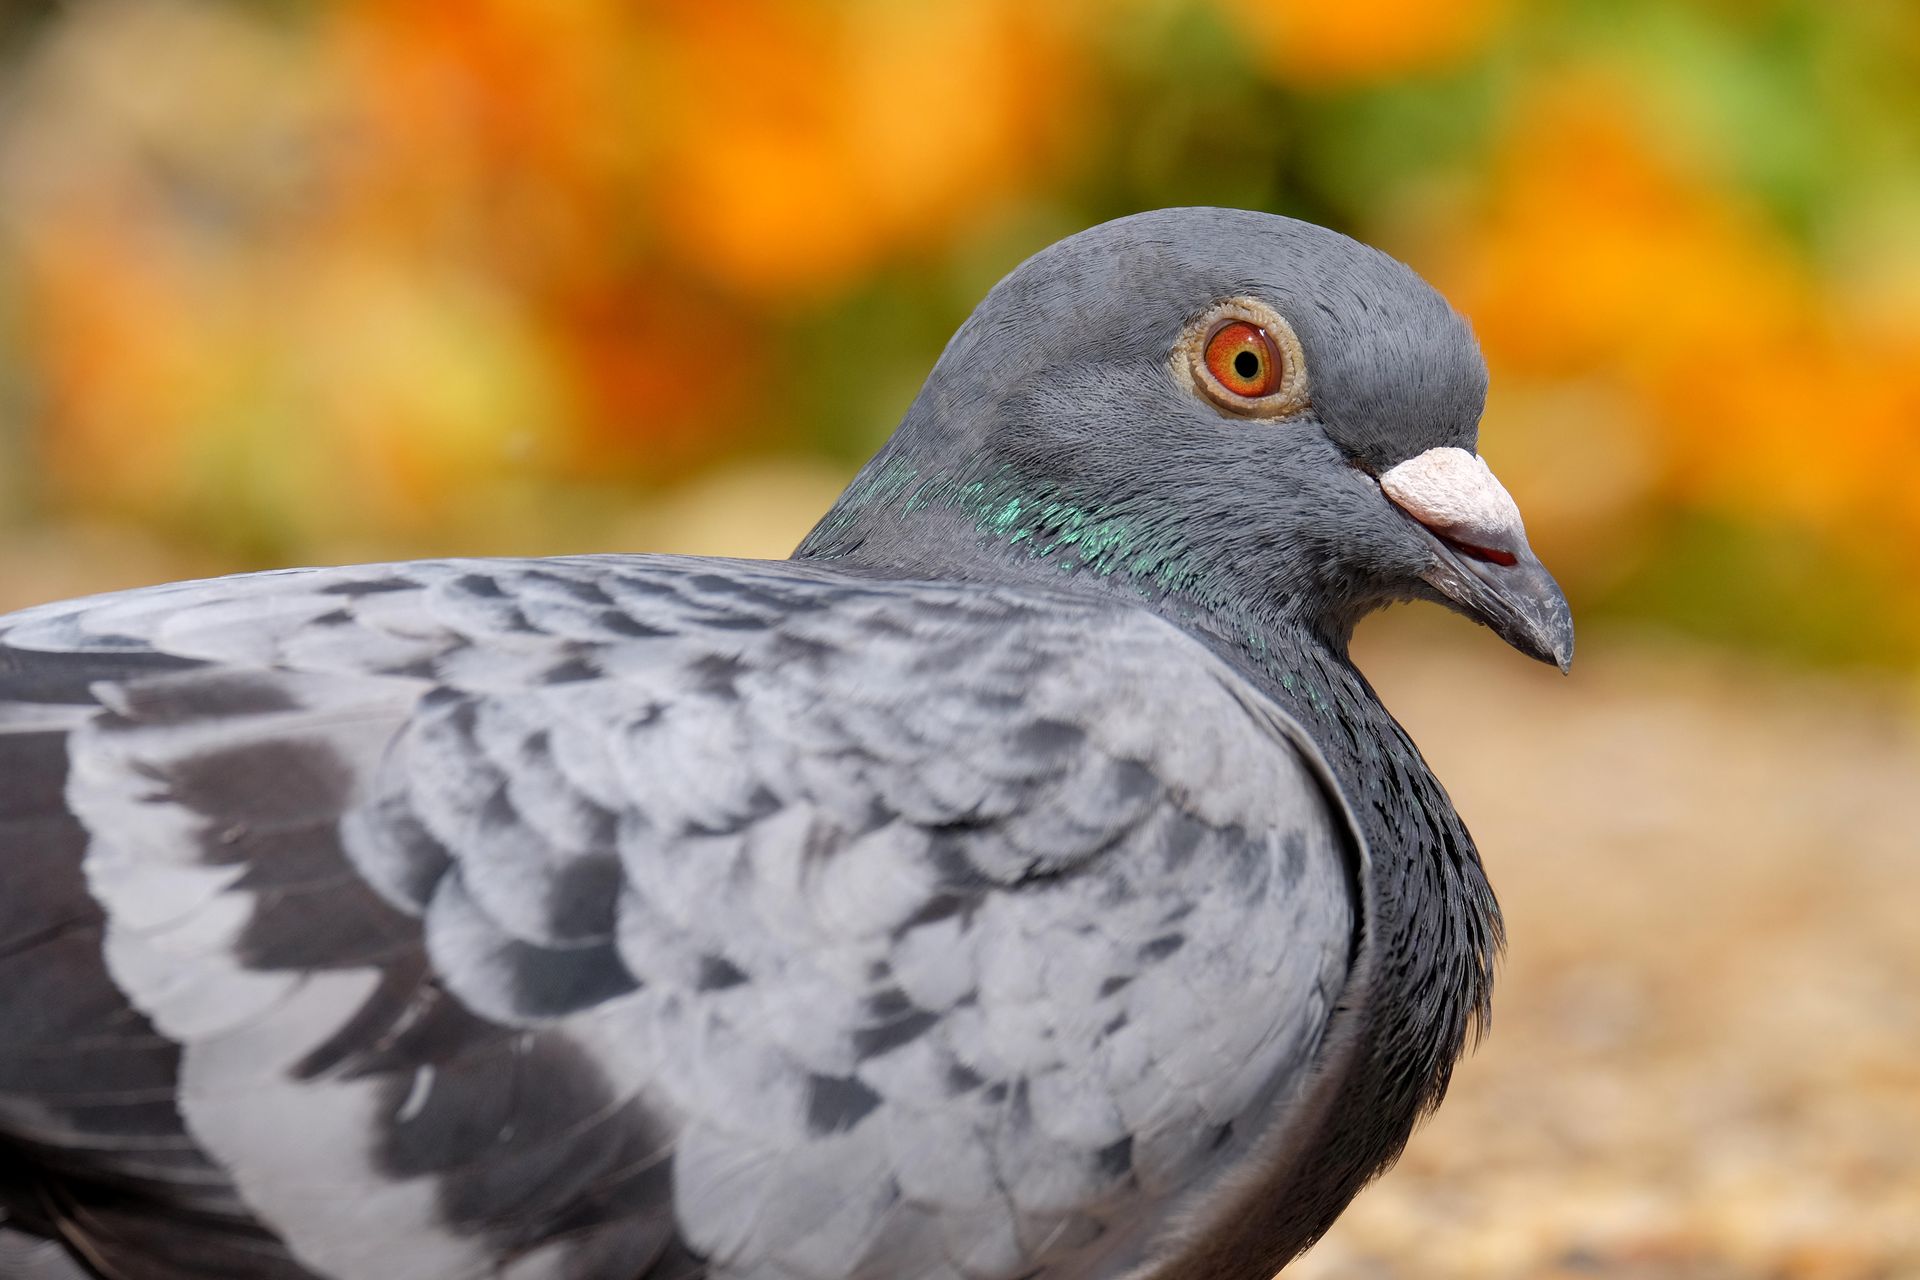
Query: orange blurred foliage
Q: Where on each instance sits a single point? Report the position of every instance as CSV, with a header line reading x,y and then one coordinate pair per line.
x,y
393,272
1322,45
804,142
495,242
1602,250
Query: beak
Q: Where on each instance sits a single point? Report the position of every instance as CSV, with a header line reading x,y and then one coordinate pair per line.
x,y
1482,564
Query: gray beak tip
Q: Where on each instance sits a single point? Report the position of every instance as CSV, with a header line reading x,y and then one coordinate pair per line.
x,y
1544,617
1520,602
1559,634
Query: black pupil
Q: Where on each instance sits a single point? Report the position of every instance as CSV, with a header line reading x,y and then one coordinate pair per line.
x,y
1246,364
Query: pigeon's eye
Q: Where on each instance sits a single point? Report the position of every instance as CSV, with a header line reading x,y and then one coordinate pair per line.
x,y
1243,359
1243,356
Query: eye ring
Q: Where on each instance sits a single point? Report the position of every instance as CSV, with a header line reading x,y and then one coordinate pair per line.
x,y
1245,359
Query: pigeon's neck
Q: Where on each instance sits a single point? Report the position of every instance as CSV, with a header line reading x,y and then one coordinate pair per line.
x,y
1428,898
907,519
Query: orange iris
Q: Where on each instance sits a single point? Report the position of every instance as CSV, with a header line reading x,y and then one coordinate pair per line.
x,y
1244,360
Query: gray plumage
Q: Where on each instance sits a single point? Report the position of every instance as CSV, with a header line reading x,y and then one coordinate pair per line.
x,y
1020,882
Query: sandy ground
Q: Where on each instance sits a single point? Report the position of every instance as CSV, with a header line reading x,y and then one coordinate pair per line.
x,y
1705,1060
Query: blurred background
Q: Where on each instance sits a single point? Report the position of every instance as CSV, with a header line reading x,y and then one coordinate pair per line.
x,y
292,282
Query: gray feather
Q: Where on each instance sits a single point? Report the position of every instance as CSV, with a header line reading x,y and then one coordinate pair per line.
x,y
782,943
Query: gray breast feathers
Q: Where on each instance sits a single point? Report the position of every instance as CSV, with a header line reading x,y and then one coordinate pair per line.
x,y
627,917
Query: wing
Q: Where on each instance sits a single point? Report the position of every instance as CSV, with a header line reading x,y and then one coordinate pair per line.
x,y
643,917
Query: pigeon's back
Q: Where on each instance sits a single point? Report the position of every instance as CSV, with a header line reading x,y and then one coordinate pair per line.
x,y
634,917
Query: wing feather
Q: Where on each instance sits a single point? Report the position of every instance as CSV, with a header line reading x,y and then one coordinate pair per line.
x,y
578,918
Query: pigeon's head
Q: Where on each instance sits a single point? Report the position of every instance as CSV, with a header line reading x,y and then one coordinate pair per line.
x,y
1216,405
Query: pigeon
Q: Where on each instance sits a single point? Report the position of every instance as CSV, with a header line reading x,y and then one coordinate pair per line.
x,y
1018,882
